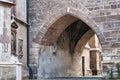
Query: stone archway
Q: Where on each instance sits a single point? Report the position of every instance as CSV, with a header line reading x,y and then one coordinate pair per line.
x,y
41,37
85,38
50,32
55,52
102,20
47,33
89,50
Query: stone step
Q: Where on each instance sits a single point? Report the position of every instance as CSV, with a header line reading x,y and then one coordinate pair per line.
x,y
74,78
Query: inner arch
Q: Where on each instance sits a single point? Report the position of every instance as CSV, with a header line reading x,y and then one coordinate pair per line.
x,y
57,28
66,51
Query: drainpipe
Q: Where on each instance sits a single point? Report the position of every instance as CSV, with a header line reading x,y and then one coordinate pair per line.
x,y
28,59
27,33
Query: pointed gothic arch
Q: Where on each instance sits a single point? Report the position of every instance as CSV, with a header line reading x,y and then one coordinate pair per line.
x,y
42,36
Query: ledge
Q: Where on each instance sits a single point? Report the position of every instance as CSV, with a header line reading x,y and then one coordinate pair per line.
x,y
7,3
95,49
9,63
20,21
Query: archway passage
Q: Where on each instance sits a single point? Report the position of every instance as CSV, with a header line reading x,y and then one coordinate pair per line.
x,y
71,50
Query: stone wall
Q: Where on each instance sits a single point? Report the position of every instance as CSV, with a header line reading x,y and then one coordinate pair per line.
x,y
21,40
55,60
9,68
101,16
49,12
19,16
5,32
60,59
77,63
21,10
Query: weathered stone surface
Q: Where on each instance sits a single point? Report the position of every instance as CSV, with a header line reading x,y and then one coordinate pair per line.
x,y
101,16
115,45
20,10
60,61
106,34
57,55
5,33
